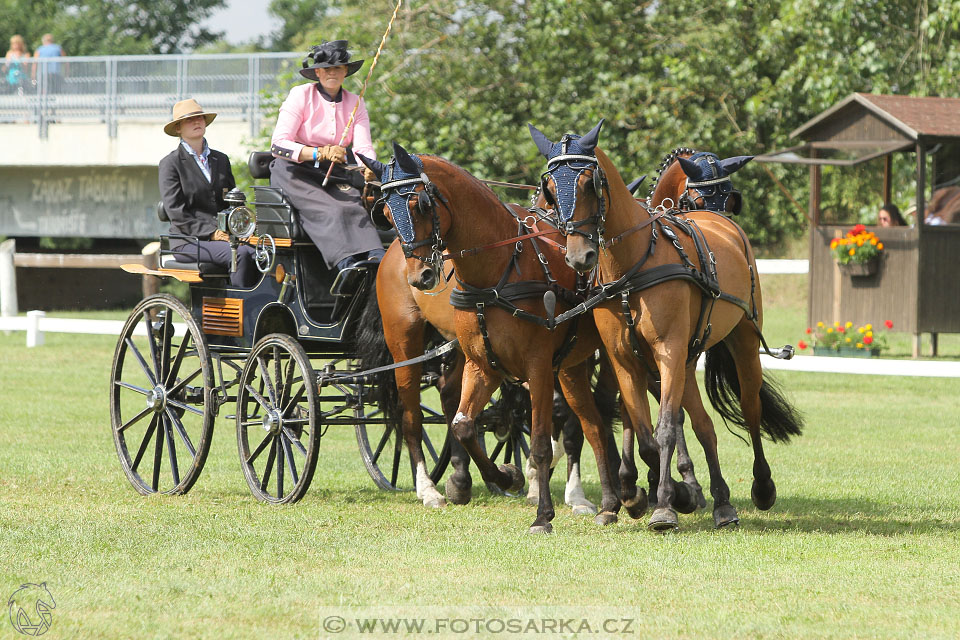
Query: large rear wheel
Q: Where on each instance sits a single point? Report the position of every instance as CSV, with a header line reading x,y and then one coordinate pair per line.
x,y
162,404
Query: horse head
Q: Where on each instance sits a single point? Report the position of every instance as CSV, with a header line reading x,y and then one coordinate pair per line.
x,y
409,203
707,184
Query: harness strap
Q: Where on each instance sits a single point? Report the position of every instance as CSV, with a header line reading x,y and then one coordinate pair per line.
x,y
617,239
443,349
502,243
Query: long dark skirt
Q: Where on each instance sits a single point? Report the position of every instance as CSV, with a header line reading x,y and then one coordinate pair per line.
x,y
332,217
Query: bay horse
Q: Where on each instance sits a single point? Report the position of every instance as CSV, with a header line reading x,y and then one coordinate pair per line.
x,y
500,311
657,303
398,322
690,180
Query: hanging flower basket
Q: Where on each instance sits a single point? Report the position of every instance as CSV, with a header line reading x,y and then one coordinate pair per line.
x,y
861,269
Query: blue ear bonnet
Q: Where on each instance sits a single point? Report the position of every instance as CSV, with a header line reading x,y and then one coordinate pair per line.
x,y
713,184
566,173
397,197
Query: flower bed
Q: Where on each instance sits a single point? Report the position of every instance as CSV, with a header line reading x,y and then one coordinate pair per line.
x,y
843,339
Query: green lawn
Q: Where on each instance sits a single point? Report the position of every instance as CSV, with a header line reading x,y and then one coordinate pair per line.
x,y
863,542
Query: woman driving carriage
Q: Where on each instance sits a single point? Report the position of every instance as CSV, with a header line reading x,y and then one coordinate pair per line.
x,y
307,138
193,180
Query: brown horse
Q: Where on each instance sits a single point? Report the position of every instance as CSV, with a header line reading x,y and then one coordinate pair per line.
x,y
397,324
691,180
500,315
658,303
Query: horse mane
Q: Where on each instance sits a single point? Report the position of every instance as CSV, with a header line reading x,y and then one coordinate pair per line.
x,y
670,158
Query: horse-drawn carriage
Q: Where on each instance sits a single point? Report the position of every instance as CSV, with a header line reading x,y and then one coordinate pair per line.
x,y
278,358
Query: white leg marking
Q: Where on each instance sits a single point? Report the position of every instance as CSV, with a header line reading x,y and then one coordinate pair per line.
x,y
573,494
426,490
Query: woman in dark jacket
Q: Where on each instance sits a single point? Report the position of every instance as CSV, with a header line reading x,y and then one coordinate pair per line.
x,y
193,180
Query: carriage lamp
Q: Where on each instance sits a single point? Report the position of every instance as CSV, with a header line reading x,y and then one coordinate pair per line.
x,y
237,219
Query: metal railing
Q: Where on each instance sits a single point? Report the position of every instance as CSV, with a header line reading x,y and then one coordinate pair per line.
x,y
112,89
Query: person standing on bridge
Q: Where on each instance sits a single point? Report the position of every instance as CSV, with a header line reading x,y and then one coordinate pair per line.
x,y
50,49
306,139
13,63
193,180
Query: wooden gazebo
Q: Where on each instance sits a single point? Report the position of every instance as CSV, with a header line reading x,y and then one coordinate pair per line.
x,y
917,284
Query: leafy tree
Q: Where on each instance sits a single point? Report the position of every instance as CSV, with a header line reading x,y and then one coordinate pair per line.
x,y
112,27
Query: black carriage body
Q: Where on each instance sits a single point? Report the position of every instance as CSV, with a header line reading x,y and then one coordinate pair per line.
x,y
233,319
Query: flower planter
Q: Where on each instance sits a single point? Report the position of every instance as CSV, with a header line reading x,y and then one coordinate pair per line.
x,y
861,269
846,352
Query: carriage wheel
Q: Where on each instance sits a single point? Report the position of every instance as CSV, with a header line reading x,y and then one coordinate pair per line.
x,y
162,404
385,454
277,433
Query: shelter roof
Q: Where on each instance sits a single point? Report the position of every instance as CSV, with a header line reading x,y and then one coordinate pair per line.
x,y
911,116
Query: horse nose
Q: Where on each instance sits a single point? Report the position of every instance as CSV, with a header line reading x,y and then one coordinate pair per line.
x,y
590,258
427,280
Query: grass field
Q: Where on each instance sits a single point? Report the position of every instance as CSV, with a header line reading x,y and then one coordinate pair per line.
x,y
864,541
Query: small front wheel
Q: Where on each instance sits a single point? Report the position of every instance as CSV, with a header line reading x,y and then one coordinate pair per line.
x,y
277,408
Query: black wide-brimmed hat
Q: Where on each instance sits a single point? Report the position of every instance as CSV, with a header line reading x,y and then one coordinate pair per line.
x,y
328,54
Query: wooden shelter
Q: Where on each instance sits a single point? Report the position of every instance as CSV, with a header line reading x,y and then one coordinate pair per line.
x,y
917,283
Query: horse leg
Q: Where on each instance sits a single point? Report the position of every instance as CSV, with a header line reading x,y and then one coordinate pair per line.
x,y
573,494
672,377
541,442
635,415
459,483
575,384
724,513
684,465
561,419
476,392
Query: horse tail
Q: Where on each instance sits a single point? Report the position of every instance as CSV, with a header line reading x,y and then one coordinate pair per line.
x,y
372,352
605,393
779,420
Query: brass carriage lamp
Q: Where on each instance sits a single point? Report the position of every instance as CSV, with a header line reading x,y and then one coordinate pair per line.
x,y
237,220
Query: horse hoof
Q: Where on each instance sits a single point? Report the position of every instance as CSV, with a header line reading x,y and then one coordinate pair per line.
x,y
637,505
542,528
763,495
725,515
663,519
583,509
516,477
605,518
435,501
701,501
684,498
457,494
533,500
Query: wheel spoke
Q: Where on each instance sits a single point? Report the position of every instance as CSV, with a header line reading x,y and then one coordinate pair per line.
x,y
259,398
516,452
280,458
143,363
127,385
496,450
278,376
135,419
269,468
524,446
288,454
287,383
295,400
258,450
396,463
265,378
508,450
429,445
171,450
184,382
383,441
181,431
178,360
185,407
294,441
152,343
144,443
157,457
165,347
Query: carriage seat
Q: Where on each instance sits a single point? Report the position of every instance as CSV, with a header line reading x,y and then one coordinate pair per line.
x,y
171,261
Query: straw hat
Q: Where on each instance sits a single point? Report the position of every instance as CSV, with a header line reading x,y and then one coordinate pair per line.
x,y
186,109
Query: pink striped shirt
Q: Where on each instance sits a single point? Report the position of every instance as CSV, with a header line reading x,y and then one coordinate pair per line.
x,y
307,119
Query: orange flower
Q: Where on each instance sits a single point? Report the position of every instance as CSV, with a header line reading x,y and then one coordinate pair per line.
x,y
852,251
879,245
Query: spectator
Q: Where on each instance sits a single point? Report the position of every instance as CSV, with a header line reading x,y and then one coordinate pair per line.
x,y
889,216
193,180
50,49
14,73
307,138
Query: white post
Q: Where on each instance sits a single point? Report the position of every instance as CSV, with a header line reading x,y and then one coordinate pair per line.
x,y
34,334
8,278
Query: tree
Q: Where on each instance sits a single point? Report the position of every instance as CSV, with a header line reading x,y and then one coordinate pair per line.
x,y
113,27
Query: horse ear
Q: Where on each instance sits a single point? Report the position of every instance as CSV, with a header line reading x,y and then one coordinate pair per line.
x,y
689,168
588,142
544,146
633,186
406,162
730,165
374,165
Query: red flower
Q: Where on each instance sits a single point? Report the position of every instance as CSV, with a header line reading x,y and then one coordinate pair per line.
x,y
858,229
867,339
809,331
802,344
888,324
841,329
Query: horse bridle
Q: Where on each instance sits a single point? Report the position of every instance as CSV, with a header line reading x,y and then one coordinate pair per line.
x,y
402,190
571,161
713,196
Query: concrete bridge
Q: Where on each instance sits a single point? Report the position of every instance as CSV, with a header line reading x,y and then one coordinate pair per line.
x,y
82,136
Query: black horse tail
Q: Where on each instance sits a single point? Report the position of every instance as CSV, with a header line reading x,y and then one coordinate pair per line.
x,y
605,393
779,420
372,352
